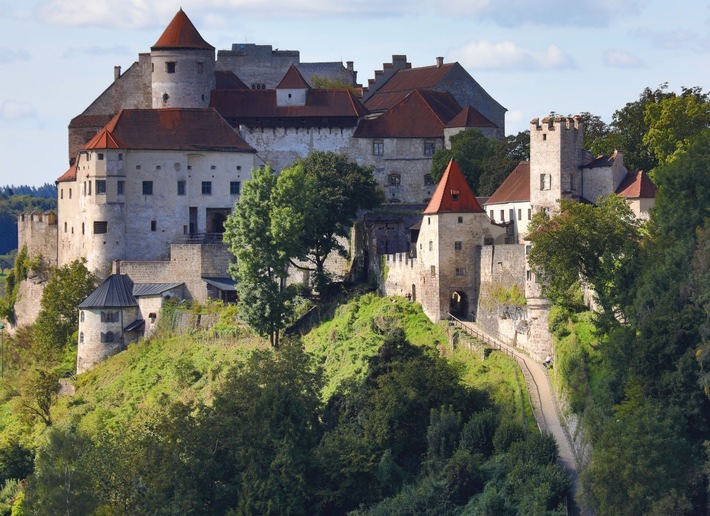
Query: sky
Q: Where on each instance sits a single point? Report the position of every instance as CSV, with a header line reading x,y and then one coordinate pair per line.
x,y
534,57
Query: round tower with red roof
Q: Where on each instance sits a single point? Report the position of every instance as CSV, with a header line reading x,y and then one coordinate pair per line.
x,y
182,67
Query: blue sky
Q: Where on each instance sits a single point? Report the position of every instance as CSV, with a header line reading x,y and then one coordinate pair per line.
x,y
568,56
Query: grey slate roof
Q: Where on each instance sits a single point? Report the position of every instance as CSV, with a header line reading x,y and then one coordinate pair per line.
x,y
114,292
224,284
152,289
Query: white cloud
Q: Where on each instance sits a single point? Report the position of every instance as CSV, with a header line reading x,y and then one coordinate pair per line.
x,y
507,56
9,55
517,13
11,110
620,59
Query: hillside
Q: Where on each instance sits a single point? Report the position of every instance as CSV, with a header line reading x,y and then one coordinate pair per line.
x,y
379,412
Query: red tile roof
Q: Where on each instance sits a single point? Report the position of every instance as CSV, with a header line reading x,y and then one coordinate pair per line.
x,y
420,114
227,80
181,33
170,129
293,80
515,188
452,194
470,117
406,80
259,107
104,140
637,186
69,175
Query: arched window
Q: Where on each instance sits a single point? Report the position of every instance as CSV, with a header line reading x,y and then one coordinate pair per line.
x,y
81,337
394,179
81,316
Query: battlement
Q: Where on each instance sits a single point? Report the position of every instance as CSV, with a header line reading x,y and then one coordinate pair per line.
x,y
558,122
38,231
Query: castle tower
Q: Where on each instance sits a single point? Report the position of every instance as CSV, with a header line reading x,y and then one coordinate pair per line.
x,y
182,67
556,153
448,246
293,89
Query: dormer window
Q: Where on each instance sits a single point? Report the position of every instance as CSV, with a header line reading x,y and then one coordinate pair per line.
x,y
455,195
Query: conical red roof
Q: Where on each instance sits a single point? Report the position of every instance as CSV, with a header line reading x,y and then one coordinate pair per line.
x,y
181,33
452,194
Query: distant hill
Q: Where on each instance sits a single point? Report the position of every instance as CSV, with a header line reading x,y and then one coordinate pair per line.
x,y
18,199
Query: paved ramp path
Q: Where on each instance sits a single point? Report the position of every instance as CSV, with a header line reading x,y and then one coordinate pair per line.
x,y
542,399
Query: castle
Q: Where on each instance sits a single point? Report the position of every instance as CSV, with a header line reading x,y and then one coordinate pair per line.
x,y
158,159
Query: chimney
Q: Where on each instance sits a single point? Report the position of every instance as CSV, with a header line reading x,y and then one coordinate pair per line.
x,y
350,65
116,72
439,62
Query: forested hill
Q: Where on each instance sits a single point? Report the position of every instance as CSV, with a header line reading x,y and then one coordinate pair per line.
x,y
18,199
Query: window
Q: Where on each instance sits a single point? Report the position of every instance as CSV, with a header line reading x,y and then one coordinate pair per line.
x,y
428,180
458,246
81,316
235,187
153,225
200,67
119,187
545,181
65,227
138,167
181,187
502,215
101,156
511,212
527,249
429,148
528,275
206,187
158,167
520,214
529,213
107,337
431,245
378,147
147,187
455,195
460,220
460,272
82,228
120,156
213,167
81,337
100,227
70,193
61,193
492,216
100,186
394,179
433,270
90,187
488,241
109,316
170,66
166,97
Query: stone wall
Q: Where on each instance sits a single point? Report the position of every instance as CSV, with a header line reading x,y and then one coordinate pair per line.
x,y
182,78
38,231
91,350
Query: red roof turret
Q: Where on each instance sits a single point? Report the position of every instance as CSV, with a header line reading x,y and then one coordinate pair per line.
x,y
181,33
452,194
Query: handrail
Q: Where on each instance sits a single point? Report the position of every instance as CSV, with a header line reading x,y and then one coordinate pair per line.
x,y
200,238
486,339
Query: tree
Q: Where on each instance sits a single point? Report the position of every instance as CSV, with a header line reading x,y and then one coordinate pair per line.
x,y
316,201
58,318
485,163
262,257
594,244
675,121
38,392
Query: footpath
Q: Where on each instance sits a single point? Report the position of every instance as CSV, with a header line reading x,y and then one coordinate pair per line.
x,y
543,402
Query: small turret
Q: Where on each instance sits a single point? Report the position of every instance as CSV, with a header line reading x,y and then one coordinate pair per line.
x,y
182,66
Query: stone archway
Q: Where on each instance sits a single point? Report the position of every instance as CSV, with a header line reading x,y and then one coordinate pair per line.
x,y
458,305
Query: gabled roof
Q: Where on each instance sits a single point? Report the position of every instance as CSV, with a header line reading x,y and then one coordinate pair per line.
x,y
114,292
470,117
637,186
420,114
227,80
152,289
515,188
453,194
69,175
602,161
261,105
181,33
293,80
104,140
172,129
404,81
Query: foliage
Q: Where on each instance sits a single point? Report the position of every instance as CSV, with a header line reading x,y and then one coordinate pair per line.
x,y
261,257
58,317
594,244
512,296
22,266
675,121
322,82
485,163
38,392
316,202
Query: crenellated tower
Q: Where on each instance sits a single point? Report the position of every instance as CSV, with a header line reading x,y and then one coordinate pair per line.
x,y
182,67
556,154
